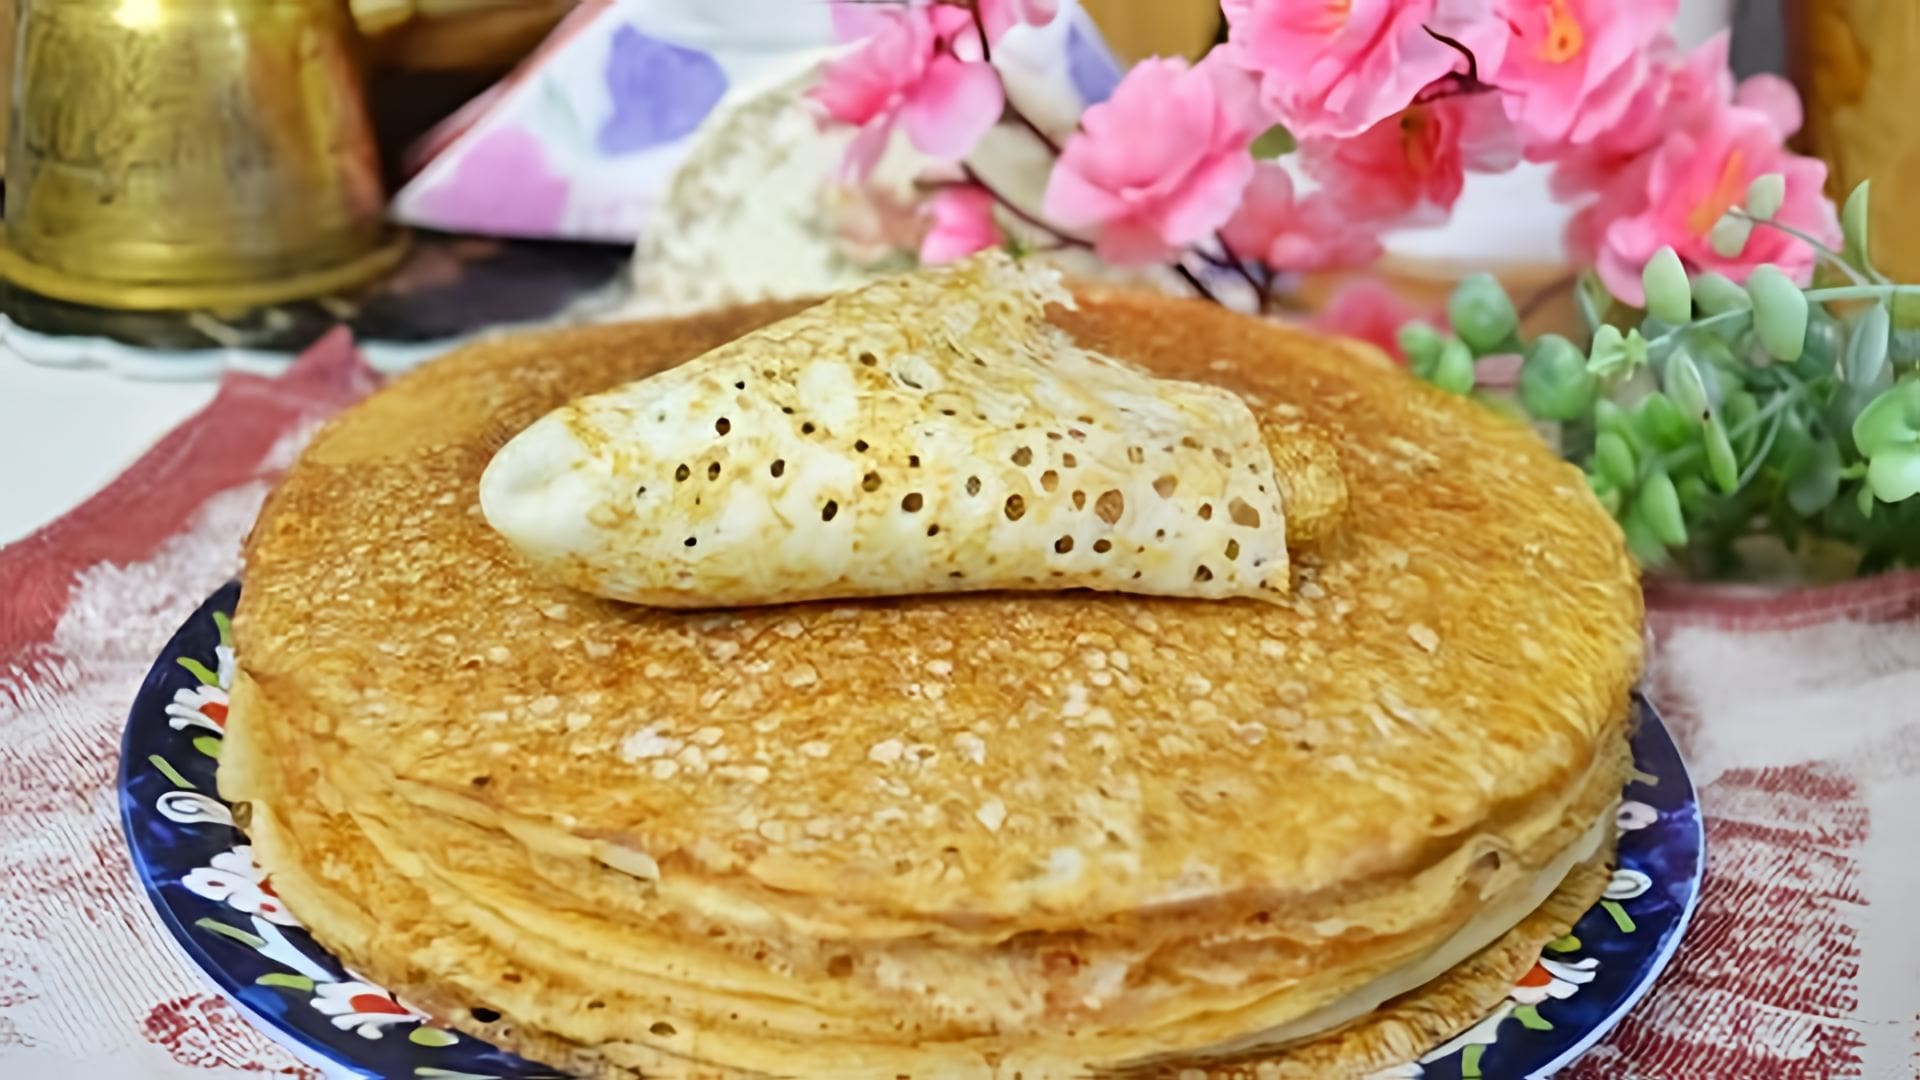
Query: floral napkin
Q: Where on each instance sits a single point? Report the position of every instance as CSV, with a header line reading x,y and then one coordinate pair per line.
x,y
1799,713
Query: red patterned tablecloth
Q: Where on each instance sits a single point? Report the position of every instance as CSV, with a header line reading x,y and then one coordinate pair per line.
x,y
1799,714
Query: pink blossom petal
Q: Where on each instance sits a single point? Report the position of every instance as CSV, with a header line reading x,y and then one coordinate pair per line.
x,y
952,107
1132,243
866,149
1775,98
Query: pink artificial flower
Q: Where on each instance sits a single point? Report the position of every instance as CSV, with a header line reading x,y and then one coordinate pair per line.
x,y
1332,68
1000,16
1411,168
914,67
1697,176
1572,67
962,224
1283,232
1370,310
1156,166
1677,92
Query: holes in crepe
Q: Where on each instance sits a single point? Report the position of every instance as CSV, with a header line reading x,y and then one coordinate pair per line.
x,y
1077,435
973,485
1203,574
1016,508
840,966
1224,458
1261,918
912,503
691,541
1023,457
641,490
680,474
663,1029
1069,461
741,385
828,511
1109,506
913,461
778,468
1165,486
1233,550
1101,547
485,1016
1063,545
723,425
788,409
1079,500
933,530
1049,480
1136,456
596,1003
1206,511
867,359
860,446
806,428
713,471
1243,515
481,781
1190,442
510,976
870,482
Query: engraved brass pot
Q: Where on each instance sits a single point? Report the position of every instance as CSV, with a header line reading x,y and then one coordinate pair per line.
x,y
191,153
1857,63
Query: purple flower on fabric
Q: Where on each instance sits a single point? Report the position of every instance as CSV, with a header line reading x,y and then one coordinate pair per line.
x,y
660,92
501,186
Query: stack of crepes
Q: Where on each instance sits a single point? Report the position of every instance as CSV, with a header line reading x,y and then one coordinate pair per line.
x,y
913,686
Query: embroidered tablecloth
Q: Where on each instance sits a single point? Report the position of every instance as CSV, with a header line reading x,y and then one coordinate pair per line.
x,y
1799,714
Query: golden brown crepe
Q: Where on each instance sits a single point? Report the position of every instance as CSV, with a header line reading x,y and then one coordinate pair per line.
x,y
1053,833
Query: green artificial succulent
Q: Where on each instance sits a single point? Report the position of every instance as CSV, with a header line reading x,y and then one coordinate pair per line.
x,y
1723,412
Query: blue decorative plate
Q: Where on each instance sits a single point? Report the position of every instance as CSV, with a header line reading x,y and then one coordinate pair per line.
x,y
199,872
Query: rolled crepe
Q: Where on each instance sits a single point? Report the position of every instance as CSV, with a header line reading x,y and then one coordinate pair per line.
x,y
929,433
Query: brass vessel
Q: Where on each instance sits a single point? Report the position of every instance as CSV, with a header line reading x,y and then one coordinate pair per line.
x,y
1857,63
178,154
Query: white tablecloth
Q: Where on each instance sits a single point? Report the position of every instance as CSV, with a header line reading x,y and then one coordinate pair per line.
x,y
66,432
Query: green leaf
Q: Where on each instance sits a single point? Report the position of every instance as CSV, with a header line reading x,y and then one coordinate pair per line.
x,y
1740,407
1662,424
1779,313
1613,460
1892,419
1554,381
1813,485
1454,372
1765,195
208,745
1722,464
1863,499
1609,416
1855,227
1696,497
1728,237
1717,294
1565,944
199,670
1669,293
1868,344
1482,314
1616,356
1647,549
1421,344
225,622
1683,383
287,980
1894,474
1658,504
1274,142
